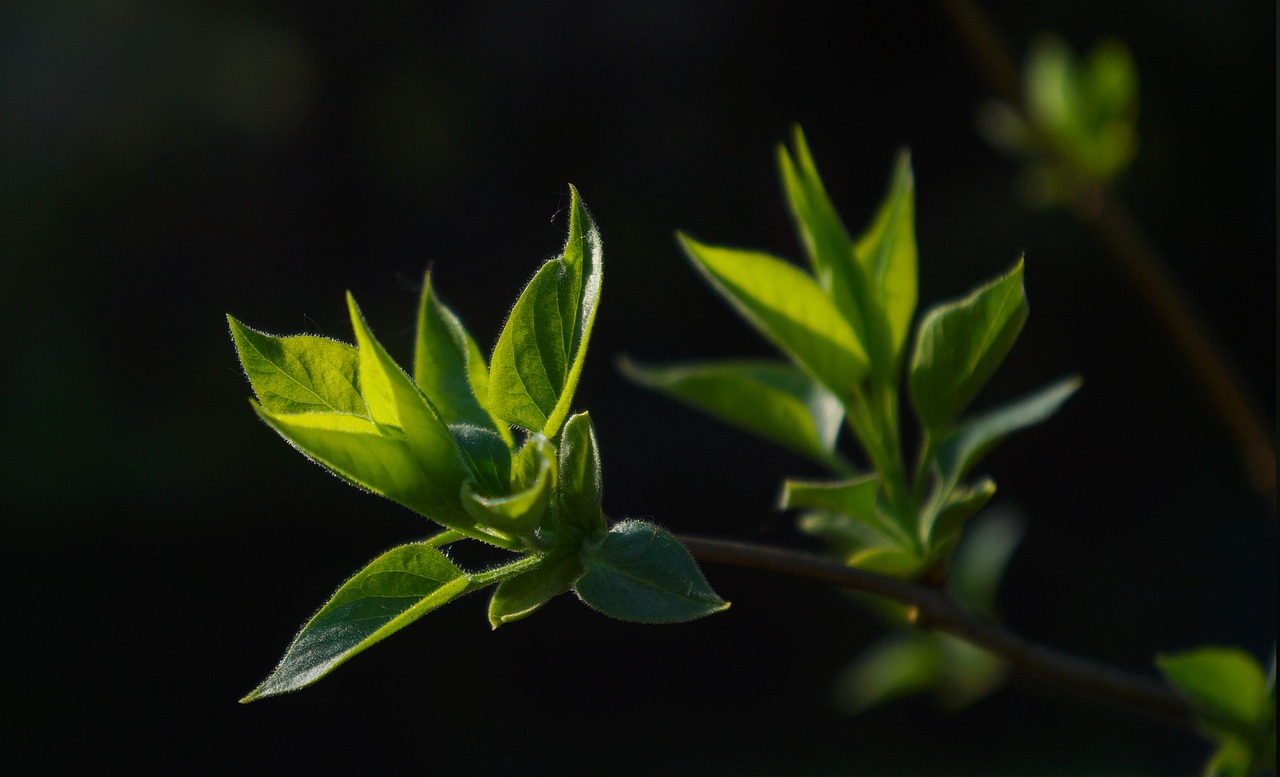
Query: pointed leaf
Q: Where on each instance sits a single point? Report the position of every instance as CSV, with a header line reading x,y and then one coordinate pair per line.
x,y
395,401
540,353
961,344
448,365
961,505
823,235
581,487
394,590
776,401
887,255
302,374
639,572
487,457
961,450
789,308
361,453
854,497
521,596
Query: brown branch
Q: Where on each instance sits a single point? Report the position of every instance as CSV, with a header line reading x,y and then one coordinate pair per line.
x,y
935,610
1237,409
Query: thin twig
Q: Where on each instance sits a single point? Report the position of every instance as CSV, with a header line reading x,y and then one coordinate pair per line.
x,y
935,610
1225,390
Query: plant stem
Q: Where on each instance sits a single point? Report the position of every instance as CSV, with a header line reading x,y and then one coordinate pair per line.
x,y
935,610
1102,210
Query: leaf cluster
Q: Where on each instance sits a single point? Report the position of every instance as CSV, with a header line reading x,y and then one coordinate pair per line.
x,y
488,450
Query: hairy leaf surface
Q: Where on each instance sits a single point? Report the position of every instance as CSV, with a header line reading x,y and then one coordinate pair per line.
x,y
301,374
394,590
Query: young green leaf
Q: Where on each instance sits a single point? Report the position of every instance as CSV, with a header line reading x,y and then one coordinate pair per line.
x,y
370,457
540,353
487,457
394,590
855,498
776,401
886,253
967,444
395,401
1220,681
302,374
448,365
961,344
519,597
789,308
581,486
515,514
639,572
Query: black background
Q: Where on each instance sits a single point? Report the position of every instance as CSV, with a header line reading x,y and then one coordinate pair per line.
x,y
163,164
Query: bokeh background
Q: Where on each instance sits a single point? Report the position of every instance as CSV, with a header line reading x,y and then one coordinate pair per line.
x,y
165,163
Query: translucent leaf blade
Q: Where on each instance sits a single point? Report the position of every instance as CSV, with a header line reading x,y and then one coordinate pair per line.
x,y
961,344
787,307
519,597
775,401
301,374
1221,680
581,482
539,356
448,365
394,590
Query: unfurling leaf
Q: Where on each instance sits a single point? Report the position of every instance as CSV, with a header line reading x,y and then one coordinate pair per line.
x,y
520,596
581,487
887,254
776,401
394,590
639,572
540,353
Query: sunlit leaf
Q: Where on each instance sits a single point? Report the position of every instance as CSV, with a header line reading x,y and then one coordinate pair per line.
x,y
639,572
776,401
394,590
540,353
1224,681
448,365
581,484
302,374
789,308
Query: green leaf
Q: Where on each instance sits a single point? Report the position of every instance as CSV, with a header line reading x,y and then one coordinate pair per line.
x,y
887,255
776,401
519,597
961,505
487,457
1220,681
367,456
961,344
961,450
580,490
855,498
639,572
302,374
394,401
891,669
540,353
394,590
448,365
789,308
515,513
980,561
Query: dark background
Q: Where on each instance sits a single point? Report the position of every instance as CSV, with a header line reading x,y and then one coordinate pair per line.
x,y
163,164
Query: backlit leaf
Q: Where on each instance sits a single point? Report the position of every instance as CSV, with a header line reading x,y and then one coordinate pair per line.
x,y
540,353
302,374
448,365
887,255
789,308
